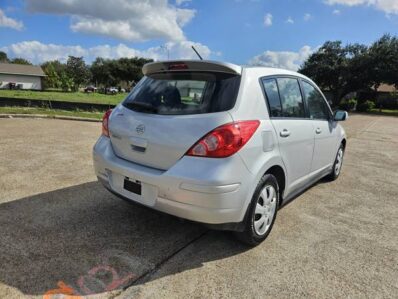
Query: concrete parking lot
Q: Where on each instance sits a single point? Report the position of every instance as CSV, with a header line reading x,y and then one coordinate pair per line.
x,y
60,231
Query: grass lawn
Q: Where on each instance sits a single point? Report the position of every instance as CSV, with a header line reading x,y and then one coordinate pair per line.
x,y
50,112
384,112
81,97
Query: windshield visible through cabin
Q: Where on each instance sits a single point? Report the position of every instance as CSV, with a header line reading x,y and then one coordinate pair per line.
x,y
181,93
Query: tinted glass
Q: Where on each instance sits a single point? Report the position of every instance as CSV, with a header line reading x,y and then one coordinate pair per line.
x,y
292,102
184,93
316,104
271,91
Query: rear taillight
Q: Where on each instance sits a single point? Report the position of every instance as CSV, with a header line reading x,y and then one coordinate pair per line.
x,y
225,140
105,123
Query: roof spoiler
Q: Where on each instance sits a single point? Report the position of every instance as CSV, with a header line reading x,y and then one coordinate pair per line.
x,y
191,66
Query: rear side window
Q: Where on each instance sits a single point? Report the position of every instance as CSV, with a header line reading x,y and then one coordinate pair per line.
x,y
184,93
292,102
272,93
317,106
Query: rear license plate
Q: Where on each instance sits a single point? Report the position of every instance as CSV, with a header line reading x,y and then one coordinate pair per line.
x,y
131,186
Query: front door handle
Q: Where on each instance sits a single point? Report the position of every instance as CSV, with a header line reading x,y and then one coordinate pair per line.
x,y
285,133
318,131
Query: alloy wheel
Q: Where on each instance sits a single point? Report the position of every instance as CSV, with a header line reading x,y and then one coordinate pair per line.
x,y
339,161
265,210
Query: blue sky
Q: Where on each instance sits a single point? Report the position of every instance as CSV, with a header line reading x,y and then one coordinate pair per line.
x,y
278,33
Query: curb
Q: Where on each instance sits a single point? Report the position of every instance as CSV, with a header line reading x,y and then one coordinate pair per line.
x,y
38,116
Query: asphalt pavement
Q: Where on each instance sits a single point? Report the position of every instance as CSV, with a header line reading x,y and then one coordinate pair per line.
x,y
61,232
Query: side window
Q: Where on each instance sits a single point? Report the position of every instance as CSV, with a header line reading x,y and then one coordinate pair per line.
x,y
271,91
316,104
292,102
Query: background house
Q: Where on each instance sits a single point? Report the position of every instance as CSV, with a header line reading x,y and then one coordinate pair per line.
x,y
19,76
386,89
386,97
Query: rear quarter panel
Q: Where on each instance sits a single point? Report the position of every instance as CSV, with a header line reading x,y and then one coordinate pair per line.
x,y
262,151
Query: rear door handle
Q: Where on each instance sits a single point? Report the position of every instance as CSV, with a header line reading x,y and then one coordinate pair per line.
x,y
318,131
285,133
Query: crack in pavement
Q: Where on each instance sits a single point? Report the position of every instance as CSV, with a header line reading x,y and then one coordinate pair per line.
x,y
147,275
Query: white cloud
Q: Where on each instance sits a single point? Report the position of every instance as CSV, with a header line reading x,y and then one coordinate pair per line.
x,y
290,20
179,50
181,2
307,17
283,59
38,52
387,6
268,20
137,20
336,12
10,22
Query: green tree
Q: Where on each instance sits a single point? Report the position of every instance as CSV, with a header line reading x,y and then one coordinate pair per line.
x,y
354,67
383,61
52,79
66,82
112,72
58,66
339,69
21,61
358,76
3,57
53,70
129,69
101,72
78,71
328,67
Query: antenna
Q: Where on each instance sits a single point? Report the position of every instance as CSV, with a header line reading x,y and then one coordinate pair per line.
x,y
197,53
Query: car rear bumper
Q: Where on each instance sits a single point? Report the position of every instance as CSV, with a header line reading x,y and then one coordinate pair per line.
x,y
212,191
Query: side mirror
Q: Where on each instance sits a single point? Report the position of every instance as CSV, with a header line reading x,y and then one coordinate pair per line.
x,y
340,115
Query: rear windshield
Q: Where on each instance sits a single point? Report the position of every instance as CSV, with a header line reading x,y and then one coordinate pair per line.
x,y
184,93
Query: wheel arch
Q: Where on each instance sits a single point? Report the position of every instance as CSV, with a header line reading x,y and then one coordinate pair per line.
x,y
273,165
278,172
344,142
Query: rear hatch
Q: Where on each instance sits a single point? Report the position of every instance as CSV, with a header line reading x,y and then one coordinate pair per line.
x,y
170,109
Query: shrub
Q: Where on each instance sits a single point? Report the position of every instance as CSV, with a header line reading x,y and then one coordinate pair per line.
x,y
348,105
388,101
365,106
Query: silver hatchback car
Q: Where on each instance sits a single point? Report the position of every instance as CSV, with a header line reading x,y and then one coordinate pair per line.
x,y
219,144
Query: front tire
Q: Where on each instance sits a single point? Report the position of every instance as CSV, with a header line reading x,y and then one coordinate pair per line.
x,y
337,165
261,212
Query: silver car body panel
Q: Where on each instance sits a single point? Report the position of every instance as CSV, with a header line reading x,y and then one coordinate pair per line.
x,y
159,141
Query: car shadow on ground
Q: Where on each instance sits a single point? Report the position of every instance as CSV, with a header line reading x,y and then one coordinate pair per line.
x,y
83,240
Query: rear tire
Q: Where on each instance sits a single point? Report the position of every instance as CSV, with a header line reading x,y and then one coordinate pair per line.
x,y
261,212
337,165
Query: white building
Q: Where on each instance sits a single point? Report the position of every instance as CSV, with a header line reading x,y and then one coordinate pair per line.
x,y
19,76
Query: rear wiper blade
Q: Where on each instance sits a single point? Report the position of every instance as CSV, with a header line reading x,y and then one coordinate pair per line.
x,y
142,106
